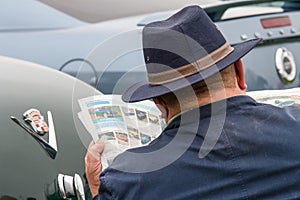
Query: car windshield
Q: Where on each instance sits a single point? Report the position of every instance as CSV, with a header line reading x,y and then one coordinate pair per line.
x,y
238,9
253,10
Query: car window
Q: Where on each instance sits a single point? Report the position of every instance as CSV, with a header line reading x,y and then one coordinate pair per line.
x,y
247,11
239,9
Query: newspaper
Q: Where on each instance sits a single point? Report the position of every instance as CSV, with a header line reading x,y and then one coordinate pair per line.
x,y
120,125
280,98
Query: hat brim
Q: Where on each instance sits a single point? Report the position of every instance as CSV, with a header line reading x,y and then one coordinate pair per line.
x,y
142,90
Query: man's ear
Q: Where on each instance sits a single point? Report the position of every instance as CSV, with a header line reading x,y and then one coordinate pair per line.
x,y
240,76
162,106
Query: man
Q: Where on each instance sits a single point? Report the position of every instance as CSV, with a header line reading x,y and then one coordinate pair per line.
x,y
219,143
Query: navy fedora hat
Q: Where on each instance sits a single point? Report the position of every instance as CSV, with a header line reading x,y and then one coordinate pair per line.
x,y
182,50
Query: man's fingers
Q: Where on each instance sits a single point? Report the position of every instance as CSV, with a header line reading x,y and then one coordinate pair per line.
x,y
93,166
94,151
97,147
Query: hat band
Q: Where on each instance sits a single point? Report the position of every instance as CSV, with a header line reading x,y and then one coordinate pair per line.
x,y
190,69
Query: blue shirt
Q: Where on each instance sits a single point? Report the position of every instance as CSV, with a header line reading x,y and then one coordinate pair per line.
x,y
256,156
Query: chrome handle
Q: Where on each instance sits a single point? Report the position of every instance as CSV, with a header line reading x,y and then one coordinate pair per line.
x,y
70,187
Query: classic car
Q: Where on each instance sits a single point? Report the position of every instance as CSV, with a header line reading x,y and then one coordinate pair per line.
x,y
34,166
108,55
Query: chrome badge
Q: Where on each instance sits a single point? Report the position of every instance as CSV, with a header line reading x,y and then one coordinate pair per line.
x,y
36,121
285,65
36,126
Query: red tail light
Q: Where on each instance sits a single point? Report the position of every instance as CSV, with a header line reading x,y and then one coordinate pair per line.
x,y
276,22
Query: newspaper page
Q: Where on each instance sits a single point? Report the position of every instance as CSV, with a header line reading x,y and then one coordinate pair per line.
x,y
280,98
120,125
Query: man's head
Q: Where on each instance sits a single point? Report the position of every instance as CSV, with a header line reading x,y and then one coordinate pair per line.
x,y
181,51
229,82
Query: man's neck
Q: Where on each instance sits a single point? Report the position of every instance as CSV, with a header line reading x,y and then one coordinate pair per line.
x,y
218,96
204,99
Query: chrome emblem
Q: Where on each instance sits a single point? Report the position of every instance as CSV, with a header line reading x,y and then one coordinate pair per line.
x,y
36,121
285,65
38,127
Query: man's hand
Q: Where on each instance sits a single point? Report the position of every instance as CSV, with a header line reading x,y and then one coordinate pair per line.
x,y
93,166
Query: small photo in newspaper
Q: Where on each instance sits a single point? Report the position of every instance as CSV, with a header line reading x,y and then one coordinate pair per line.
x,y
154,119
105,113
122,138
145,139
141,116
108,136
134,136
